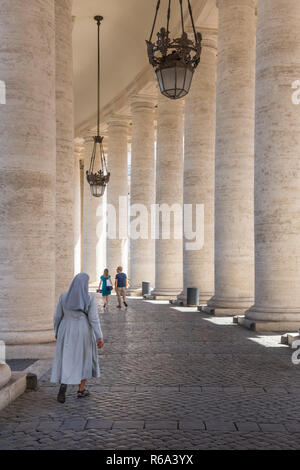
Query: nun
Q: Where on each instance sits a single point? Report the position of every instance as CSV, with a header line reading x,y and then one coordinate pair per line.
x,y
78,332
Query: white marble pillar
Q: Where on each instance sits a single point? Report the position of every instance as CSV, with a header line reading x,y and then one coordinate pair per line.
x,y
93,223
199,162
142,193
117,194
27,172
64,236
78,160
169,196
234,159
277,169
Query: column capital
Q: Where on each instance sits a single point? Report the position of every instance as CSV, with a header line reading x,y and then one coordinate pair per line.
x,y
209,36
118,120
244,3
142,101
88,136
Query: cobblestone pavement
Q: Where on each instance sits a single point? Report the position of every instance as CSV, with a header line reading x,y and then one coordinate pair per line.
x,y
172,378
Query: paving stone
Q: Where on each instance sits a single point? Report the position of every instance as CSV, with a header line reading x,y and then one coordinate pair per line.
x,y
76,424
48,425
190,388
191,424
168,424
247,426
272,427
99,423
233,389
219,426
280,390
128,425
293,427
122,388
208,389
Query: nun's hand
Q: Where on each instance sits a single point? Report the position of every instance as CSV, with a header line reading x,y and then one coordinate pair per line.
x,y
100,343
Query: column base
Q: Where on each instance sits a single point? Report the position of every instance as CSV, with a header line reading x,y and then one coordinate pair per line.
x,y
13,389
134,292
5,374
221,312
27,337
267,326
227,307
275,319
165,294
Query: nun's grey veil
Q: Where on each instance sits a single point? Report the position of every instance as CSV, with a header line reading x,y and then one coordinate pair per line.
x,y
78,295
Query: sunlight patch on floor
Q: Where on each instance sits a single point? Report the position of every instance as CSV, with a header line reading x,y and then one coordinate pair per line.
x,y
270,341
185,309
220,320
158,302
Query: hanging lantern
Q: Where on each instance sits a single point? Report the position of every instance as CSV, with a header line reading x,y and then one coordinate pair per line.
x,y
98,179
174,60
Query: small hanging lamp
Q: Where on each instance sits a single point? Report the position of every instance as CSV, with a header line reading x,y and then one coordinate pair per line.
x,y
174,60
98,179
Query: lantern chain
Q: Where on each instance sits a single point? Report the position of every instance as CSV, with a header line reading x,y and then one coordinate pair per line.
x,y
155,18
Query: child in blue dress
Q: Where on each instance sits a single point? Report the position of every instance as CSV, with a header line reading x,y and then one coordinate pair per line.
x,y
106,287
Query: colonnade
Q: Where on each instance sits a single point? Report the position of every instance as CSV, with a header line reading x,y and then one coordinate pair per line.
x,y
227,149
231,147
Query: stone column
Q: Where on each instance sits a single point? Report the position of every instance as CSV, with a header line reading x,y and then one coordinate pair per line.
x,y
142,194
169,196
93,224
78,160
117,243
27,172
199,162
277,170
64,237
234,166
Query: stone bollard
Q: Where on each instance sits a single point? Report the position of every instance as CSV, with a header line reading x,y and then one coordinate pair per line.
x,y
146,288
192,296
31,382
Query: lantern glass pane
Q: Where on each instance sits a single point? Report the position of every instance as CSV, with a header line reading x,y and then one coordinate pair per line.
x,y
160,81
180,78
97,190
188,80
169,76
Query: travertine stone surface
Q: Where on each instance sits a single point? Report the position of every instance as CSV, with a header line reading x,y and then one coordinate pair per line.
x,y
199,166
78,160
117,249
169,190
142,191
234,166
93,223
5,375
27,175
64,236
277,170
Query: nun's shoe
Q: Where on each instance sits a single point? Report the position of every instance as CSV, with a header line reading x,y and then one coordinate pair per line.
x,y
83,393
61,397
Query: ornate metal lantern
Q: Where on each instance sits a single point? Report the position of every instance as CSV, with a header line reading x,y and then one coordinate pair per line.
x,y
174,60
98,179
